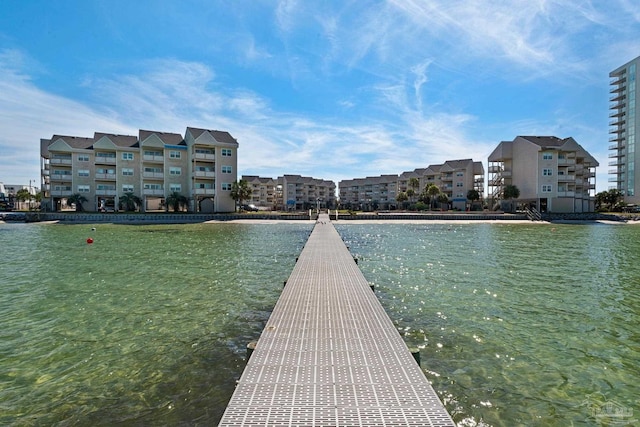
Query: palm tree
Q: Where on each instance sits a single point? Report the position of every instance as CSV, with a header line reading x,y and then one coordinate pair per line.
x,y
414,184
23,195
130,202
473,195
240,191
511,192
77,199
443,199
176,201
433,191
402,197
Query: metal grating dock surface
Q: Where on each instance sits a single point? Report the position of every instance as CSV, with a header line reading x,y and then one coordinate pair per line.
x,y
329,354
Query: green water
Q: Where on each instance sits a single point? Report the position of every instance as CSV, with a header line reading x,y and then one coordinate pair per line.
x,y
531,325
518,324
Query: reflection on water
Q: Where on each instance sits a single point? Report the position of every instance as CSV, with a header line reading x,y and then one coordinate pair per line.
x,y
519,325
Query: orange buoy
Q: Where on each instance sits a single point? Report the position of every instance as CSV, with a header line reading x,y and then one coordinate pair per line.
x,y
89,240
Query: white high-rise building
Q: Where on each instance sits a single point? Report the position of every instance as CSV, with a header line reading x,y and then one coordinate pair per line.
x,y
624,120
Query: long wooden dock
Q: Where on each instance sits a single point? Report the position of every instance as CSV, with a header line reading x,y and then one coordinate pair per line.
x,y
329,354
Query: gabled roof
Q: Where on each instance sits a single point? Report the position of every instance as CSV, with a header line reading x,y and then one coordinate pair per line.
x,y
166,137
545,141
218,135
125,141
73,141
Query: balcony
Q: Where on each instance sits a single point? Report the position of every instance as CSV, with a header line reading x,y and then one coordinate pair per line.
x,y
155,159
111,192
567,161
204,174
566,193
616,146
618,81
204,156
100,160
566,178
616,154
61,193
617,97
619,111
617,122
204,192
106,176
153,192
60,161
61,178
153,175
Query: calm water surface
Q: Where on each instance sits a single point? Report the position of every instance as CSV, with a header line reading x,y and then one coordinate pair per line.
x,y
518,324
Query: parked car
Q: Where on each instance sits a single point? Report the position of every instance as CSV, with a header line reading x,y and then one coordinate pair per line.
x,y
250,208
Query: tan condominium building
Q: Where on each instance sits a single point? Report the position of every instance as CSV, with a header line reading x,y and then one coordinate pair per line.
x,y
265,192
454,178
552,174
370,193
201,166
291,192
303,192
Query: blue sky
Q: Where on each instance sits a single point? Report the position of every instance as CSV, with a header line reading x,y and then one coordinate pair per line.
x,y
329,89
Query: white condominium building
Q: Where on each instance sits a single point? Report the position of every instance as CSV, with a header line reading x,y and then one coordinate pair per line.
x,y
624,119
552,174
201,166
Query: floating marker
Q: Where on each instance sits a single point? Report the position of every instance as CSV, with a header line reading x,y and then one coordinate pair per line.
x,y
89,240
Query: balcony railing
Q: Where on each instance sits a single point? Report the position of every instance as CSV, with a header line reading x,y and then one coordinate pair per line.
x,y
156,175
106,192
105,160
204,156
566,178
106,176
566,193
153,192
60,161
204,174
155,159
205,191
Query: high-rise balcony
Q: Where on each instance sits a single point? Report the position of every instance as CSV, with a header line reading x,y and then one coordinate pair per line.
x,y
617,122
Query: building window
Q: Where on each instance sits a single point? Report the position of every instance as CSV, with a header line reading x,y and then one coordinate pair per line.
x,y
459,173
84,188
127,172
459,184
153,186
175,154
175,171
105,171
175,187
547,172
226,169
127,156
83,172
226,186
83,157
546,188
226,152
127,188
153,153
547,156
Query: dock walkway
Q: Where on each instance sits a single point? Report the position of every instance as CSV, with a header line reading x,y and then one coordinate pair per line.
x,y
329,354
